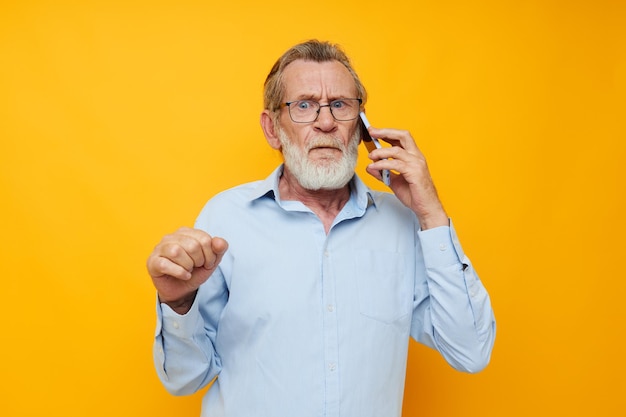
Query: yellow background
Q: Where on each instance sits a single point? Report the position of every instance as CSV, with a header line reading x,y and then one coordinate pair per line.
x,y
119,119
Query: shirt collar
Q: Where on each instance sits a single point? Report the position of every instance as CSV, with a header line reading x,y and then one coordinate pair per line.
x,y
361,196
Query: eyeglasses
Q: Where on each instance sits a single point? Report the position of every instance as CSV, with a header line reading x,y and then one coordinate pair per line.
x,y
307,111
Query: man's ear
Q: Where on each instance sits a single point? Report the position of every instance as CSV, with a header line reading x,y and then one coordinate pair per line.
x,y
269,129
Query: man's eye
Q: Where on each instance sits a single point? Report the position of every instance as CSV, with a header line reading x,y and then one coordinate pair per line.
x,y
338,104
304,105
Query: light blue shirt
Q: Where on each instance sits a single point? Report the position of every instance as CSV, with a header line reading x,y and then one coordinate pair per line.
x,y
298,323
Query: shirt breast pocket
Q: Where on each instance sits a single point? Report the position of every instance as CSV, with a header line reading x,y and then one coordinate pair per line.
x,y
385,291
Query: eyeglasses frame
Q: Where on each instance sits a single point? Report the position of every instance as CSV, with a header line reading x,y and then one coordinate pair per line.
x,y
289,103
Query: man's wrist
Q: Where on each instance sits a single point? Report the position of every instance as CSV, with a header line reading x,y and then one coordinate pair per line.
x,y
182,305
430,222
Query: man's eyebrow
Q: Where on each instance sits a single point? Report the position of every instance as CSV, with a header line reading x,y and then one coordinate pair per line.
x,y
315,97
332,97
307,97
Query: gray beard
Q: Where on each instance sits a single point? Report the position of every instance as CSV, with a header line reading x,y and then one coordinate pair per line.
x,y
325,174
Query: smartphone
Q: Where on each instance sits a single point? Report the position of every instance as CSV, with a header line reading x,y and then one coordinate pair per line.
x,y
371,144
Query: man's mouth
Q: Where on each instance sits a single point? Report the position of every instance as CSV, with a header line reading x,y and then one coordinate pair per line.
x,y
325,153
325,150
325,144
325,147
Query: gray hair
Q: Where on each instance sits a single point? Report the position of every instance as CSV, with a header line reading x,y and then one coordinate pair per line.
x,y
312,50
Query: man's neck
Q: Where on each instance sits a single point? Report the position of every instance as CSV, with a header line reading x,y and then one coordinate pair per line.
x,y
326,204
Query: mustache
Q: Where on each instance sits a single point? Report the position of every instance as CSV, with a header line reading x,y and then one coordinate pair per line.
x,y
325,142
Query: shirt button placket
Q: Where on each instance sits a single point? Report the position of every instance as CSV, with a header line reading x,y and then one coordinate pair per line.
x,y
331,346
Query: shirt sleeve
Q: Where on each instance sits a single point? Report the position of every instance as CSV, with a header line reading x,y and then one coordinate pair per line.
x,y
184,354
452,310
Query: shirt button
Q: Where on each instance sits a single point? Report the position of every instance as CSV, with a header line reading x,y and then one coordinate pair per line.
x,y
326,253
443,247
332,366
176,325
330,308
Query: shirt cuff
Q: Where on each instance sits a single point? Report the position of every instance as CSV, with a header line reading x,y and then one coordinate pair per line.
x,y
441,246
183,326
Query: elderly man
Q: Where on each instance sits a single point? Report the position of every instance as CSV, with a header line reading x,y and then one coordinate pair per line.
x,y
304,304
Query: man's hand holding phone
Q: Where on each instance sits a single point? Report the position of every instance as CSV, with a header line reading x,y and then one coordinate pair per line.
x,y
413,184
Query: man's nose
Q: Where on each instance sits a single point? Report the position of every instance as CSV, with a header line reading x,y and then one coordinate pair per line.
x,y
325,119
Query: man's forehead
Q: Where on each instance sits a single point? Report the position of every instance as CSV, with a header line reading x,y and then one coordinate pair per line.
x,y
311,78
